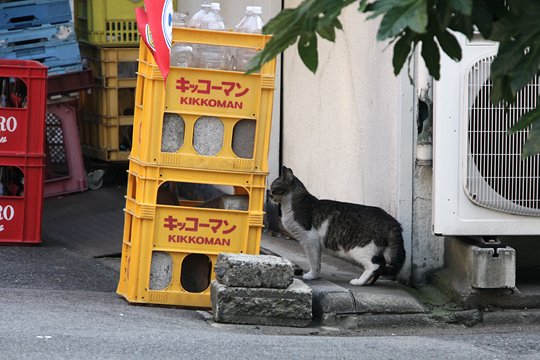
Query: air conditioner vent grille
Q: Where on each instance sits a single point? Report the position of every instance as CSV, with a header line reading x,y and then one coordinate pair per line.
x,y
497,176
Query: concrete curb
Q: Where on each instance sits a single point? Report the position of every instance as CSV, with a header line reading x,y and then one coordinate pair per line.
x,y
387,304
515,317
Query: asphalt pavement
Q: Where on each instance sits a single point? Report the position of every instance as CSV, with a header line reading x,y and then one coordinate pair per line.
x,y
81,248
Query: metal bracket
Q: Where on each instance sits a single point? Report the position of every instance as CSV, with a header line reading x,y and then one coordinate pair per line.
x,y
483,241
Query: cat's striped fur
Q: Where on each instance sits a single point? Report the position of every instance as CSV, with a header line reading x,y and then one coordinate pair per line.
x,y
365,234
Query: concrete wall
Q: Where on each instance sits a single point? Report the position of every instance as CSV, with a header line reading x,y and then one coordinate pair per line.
x,y
427,250
341,126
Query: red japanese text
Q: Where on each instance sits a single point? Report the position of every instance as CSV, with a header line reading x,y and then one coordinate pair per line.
x,y
220,227
206,87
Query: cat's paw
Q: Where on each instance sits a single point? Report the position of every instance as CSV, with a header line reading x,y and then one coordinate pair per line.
x,y
357,282
310,276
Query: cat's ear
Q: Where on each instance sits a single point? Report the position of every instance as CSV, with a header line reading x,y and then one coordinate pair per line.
x,y
287,173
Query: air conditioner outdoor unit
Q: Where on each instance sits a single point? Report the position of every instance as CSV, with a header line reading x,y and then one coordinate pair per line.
x,y
481,184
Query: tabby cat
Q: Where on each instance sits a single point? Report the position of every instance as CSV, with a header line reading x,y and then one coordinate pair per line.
x,y
365,234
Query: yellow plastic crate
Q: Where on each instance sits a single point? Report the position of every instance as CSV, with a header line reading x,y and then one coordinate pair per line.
x,y
106,123
109,102
113,67
154,176
231,99
105,138
107,22
169,251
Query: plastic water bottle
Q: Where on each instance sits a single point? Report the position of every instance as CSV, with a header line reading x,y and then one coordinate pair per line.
x,y
240,26
179,19
183,55
213,21
213,56
233,52
253,24
195,21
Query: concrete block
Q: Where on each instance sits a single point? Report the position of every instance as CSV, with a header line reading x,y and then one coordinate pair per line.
x,y
172,137
262,306
493,268
253,271
160,270
481,268
208,136
244,138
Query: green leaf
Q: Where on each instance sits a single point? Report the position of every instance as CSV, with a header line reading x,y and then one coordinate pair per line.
x,y
483,17
501,90
526,120
327,32
362,6
462,24
284,19
275,46
311,17
380,7
337,24
440,16
450,45
463,6
307,49
411,14
327,23
525,69
430,54
508,57
532,145
402,48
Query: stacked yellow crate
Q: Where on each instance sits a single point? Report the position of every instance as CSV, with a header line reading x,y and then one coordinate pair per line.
x,y
201,130
108,36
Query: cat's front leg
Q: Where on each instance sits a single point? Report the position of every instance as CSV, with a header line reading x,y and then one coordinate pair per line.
x,y
312,249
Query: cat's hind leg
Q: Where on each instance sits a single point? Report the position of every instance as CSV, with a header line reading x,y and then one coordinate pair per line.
x,y
369,276
372,266
379,260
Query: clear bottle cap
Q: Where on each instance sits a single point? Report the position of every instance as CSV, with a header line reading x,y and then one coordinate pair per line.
x,y
215,6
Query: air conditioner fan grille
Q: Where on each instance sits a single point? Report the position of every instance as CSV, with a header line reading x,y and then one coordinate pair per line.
x,y
497,176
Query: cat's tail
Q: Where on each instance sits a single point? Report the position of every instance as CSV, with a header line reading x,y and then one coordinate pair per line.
x,y
395,257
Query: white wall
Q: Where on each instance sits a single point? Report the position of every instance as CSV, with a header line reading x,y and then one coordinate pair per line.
x,y
341,127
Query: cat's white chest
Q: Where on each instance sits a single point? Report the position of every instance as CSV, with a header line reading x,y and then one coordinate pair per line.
x,y
297,230
294,228
287,218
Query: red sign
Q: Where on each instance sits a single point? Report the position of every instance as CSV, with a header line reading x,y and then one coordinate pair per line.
x,y
155,28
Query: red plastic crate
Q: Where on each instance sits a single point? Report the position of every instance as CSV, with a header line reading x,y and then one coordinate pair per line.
x,y
22,128
64,170
20,215
70,82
